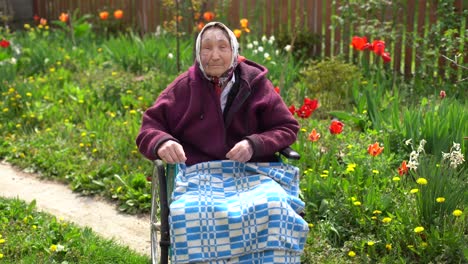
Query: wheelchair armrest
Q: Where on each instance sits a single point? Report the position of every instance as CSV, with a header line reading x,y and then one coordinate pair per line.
x,y
290,153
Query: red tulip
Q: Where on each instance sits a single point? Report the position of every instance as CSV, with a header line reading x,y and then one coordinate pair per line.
x,y
4,43
336,127
292,109
360,43
386,57
378,46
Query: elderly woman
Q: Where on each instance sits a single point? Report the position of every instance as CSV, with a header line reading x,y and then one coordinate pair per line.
x,y
222,122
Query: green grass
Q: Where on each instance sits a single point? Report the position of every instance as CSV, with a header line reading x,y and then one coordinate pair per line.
x,y
29,236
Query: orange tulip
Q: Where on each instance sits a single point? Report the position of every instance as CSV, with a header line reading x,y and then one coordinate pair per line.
x,y
63,17
118,14
237,32
374,149
104,15
314,136
208,16
244,23
403,168
200,26
43,21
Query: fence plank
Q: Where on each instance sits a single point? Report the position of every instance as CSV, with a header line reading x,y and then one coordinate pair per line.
x,y
326,28
410,30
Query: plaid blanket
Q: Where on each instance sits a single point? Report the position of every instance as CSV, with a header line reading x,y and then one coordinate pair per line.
x,y
231,212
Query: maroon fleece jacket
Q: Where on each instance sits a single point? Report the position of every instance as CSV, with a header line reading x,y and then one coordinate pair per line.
x,y
189,112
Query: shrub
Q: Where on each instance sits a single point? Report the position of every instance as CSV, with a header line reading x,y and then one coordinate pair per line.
x,y
330,81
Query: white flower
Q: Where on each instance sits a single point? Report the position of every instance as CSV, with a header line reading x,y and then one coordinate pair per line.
x,y
266,55
421,146
260,49
255,43
287,48
13,60
250,46
170,56
255,51
408,142
455,156
277,52
264,38
271,40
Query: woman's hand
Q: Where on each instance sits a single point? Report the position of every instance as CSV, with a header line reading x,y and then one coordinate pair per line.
x,y
241,152
172,152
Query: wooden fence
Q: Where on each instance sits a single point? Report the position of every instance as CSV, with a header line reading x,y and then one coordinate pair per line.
x,y
332,20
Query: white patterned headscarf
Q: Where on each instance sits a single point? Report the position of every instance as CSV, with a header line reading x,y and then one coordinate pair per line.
x,y
234,47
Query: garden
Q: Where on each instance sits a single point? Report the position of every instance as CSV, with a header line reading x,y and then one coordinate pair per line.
x,y
382,152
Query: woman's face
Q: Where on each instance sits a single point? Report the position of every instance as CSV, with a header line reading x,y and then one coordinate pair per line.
x,y
215,52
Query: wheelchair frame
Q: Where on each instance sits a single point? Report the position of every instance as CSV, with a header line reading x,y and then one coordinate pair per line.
x,y
159,189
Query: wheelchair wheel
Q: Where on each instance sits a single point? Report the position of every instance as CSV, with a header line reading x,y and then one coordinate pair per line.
x,y
155,224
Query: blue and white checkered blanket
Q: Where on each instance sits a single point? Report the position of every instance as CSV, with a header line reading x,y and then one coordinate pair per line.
x,y
231,212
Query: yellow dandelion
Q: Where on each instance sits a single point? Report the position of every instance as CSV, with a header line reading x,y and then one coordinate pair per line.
x,y
11,90
370,243
140,98
34,227
5,110
83,134
114,73
357,203
395,179
94,150
388,246
424,244
303,130
133,111
352,253
418,229
421,181
377,212
311,225
81,145
28,94
27,26
1,255
386,220
414,190
353,198
374,217
457,212
375,171
129,91
2,240
52,69
440,199
53,248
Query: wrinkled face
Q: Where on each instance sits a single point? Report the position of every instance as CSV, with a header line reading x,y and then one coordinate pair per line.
x,y
215,52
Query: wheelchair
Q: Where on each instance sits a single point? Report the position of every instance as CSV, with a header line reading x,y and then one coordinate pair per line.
x,y
162,184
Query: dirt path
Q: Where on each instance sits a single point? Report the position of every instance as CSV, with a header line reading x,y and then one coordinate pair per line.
x,y
59,200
